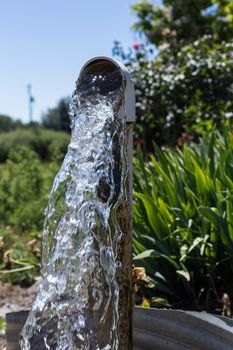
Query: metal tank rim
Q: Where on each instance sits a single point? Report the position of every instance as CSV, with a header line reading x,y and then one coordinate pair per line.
x,y
161,329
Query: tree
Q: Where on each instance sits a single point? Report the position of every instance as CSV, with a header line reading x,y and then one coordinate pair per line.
x,y
58,118
180,97
184,86
181,22
7,124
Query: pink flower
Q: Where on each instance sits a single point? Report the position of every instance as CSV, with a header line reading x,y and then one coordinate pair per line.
x,y
183,138
136,45
231,54
139,141
164,47
166,32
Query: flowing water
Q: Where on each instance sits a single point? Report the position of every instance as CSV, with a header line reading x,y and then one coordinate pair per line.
x,y
77,302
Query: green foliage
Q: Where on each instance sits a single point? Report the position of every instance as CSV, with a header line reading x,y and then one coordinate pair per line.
x,y
19,256
183,221
184,85
180,22
46,143
2,327
24,186
184,95
58,118
7,124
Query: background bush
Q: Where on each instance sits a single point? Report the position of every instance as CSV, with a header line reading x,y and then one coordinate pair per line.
x,y
25,183
24,188
30,156
46,143
184,95
182,69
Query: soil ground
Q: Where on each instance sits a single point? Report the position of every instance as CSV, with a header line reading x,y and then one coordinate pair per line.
x,y
13,299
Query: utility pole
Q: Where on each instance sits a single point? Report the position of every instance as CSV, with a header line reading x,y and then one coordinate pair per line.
x,y
30,103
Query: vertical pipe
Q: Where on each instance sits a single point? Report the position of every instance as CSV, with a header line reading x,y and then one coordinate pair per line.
x,y
124,211
125,273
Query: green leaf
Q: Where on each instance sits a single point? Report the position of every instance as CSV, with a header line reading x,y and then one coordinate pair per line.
x,y
152,213
210,215
184,273
20,269
145,254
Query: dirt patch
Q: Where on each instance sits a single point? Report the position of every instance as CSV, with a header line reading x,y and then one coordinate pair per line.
x,y
13,299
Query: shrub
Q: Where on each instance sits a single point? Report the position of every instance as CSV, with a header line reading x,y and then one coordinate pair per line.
x,y
44,142
183,221
184,94
24,186
19,258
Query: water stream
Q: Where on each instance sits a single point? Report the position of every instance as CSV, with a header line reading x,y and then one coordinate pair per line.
x,y
77,303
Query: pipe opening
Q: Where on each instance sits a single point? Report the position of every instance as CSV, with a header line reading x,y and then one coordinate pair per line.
x,y
101,77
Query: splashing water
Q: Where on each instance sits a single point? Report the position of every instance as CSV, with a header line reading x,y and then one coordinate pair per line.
x,y
77,302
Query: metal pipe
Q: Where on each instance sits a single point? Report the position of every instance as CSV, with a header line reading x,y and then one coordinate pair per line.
x,y
126,113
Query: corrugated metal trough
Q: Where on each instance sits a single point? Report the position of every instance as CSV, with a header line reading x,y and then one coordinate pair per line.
x,y
156,329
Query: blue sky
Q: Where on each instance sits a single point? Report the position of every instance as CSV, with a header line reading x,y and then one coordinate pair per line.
x,y
46,42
